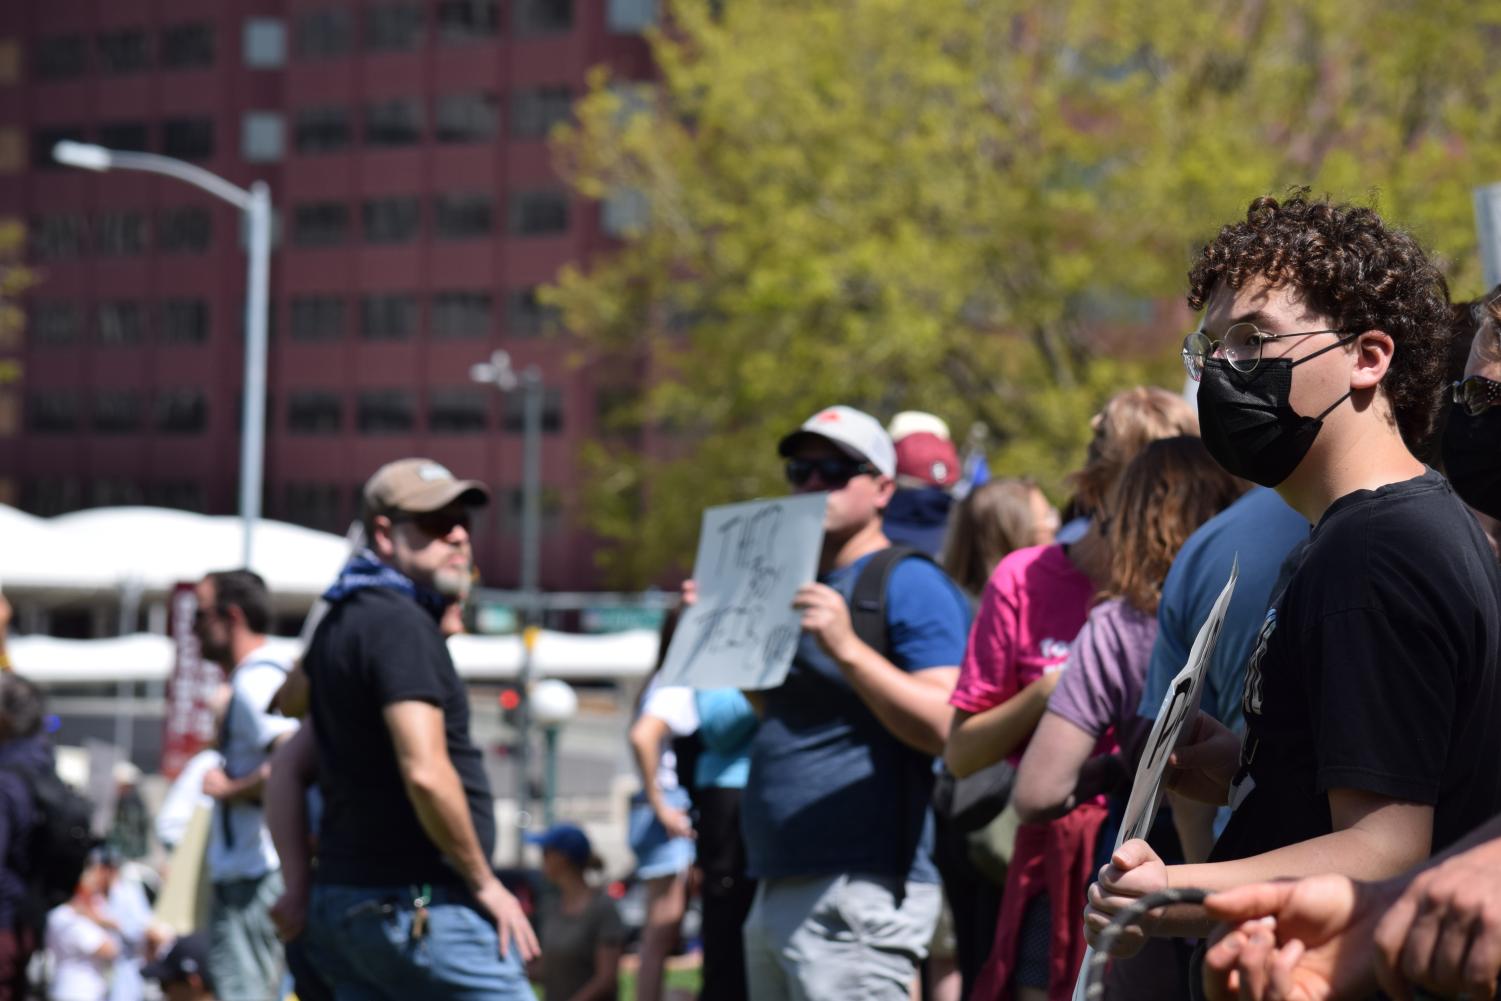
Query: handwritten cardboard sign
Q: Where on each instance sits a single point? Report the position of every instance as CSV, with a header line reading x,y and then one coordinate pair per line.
x,y
752,557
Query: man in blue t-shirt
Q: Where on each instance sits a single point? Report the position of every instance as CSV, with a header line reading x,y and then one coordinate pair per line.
x,y
835,812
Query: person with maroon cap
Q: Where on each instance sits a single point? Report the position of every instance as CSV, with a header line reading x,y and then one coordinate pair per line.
x,y
927,467
404,902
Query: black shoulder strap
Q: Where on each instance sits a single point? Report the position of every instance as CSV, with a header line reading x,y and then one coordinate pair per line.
x,y
868,600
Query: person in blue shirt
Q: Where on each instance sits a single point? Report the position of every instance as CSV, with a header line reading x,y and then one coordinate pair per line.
x,y
835,814
726,725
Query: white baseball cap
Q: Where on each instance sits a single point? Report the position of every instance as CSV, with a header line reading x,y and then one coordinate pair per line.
x,y
854,432
918,421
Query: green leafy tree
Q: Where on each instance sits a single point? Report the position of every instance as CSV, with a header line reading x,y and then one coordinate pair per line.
x,y
983,209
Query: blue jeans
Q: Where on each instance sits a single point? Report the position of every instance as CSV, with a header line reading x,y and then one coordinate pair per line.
x,y
359,938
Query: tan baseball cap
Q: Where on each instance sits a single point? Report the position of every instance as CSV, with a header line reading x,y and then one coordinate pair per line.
x,y
418,486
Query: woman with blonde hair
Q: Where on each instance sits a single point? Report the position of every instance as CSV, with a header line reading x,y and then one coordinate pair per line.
x,y
995,519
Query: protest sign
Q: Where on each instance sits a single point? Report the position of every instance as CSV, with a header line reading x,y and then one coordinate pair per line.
x,y
752,557
1178,707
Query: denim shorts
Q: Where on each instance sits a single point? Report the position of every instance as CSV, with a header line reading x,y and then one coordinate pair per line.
x,y
656,853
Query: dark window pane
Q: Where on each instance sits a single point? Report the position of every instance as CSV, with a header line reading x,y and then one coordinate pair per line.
x,y
314,411
187,228
58,237
542,17
120,234
388,317
464,118
188,45
115,491
321,130
536,213
52,411
390,220
467,20
316,505
394,123
56,323
552,410
42,141
125,135
459,410
188,138
393,27
121,323
385,411
328,31
526,317
181,411
124,51
118,412
317,318
184,495
62,57
461,314
510,501
320,224
536,110
462,216
184,321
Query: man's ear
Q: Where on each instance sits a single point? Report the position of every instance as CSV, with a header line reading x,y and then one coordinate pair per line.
x,y
381,528
885,490
1373,357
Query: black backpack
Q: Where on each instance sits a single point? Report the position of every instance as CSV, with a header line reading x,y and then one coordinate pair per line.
x,y
58,843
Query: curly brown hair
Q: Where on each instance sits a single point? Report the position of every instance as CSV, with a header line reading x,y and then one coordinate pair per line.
x,y
1352,267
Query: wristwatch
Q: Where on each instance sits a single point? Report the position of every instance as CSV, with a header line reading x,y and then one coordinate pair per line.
x,y
1477,393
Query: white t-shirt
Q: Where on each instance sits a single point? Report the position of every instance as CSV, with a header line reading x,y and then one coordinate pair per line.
x,y
184,797
72,940
239,845
673,705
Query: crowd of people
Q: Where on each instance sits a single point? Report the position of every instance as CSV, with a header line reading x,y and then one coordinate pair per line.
x,y
929,804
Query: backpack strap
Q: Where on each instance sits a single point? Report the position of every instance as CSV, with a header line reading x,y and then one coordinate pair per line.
x,y
868,599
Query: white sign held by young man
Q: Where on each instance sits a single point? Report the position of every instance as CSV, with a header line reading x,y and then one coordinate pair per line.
x,y
743,631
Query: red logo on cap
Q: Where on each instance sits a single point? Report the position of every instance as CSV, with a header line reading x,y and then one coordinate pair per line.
x,y
829,415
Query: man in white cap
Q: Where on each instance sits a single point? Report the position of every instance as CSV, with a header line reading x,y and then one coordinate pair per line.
x,y
927,467
835,812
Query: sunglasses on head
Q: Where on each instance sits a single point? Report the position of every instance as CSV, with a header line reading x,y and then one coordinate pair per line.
x,y
436,524
832,472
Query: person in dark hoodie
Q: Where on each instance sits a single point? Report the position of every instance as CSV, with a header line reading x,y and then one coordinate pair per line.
x,y
23,748
927,467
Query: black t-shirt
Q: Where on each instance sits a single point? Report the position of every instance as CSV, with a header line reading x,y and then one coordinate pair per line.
x,y
1378,668
375,648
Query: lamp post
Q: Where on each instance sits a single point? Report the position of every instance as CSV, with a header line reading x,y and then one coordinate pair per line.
x,y
554,704
256,204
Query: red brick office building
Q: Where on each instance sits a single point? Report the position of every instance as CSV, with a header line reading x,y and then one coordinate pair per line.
x,y
404,144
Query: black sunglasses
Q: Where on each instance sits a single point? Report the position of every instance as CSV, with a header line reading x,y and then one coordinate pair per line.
x,y
833,472
436,524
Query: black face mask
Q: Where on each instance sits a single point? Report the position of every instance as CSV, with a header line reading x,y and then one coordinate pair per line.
x,y
1472,457
1248,424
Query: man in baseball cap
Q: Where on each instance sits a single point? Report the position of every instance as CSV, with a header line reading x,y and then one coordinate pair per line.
x,y
835,810
183,970
927,467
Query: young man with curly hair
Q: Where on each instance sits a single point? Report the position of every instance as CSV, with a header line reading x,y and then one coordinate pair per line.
x,y
1374,681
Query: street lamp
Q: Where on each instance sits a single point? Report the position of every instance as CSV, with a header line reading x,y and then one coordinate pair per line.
x,y
256,204
554,704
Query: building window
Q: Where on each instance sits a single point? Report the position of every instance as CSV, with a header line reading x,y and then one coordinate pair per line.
x,y
117,412
393,27
264,43
185,46
125,136
511,501
317,318
527,317
388,317
322,130
121,324
58,237
184,321
385,411
56,324
541,17
626,211
468,20
458,411
465,118
114,492
461,314
320,224
328,31
457,217
122,52
52,411
314,411
188,138
316,505
62,57
42,141
181,411
12,150
538,213
183,495
536,110
552,411
397,122
263,136
120,234
631,16
390,220
185,229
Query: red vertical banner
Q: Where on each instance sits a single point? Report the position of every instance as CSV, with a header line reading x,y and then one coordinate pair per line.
x,y
190,724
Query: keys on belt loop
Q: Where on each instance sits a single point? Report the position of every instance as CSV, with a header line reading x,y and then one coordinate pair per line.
x,y
419,912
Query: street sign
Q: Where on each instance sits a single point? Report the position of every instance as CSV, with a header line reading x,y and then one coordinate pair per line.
x,y
1488,224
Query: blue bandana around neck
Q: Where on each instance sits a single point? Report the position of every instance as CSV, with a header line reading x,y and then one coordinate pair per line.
x,y
365,569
